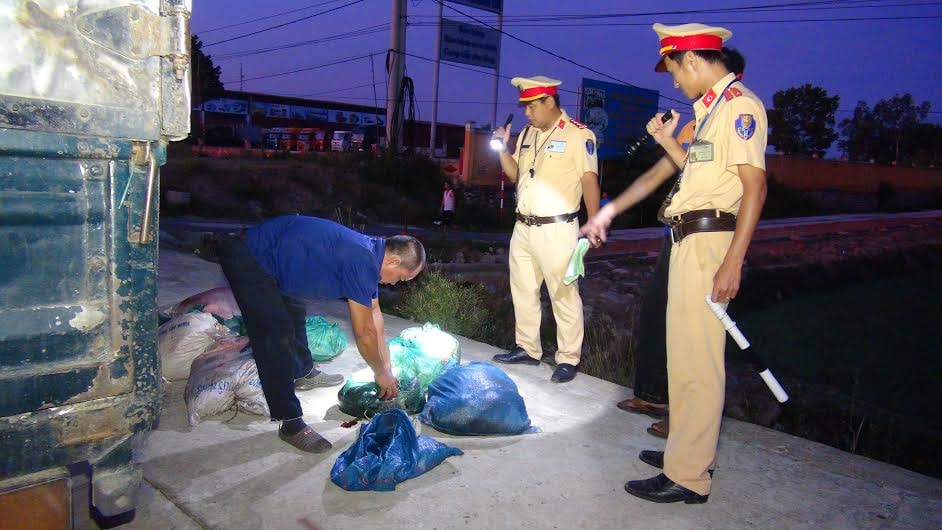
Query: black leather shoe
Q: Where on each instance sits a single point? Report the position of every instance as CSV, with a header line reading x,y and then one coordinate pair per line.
x,y
663,489
656,459
516,356
564,373
652,458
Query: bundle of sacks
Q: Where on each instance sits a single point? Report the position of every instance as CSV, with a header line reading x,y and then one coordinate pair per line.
x,y
474,399
202,340
418,355
223,377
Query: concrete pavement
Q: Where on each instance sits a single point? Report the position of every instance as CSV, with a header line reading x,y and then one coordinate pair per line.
x,y
232,471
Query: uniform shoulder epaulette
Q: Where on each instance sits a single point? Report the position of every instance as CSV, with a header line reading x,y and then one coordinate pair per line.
x,y
578,124
732,93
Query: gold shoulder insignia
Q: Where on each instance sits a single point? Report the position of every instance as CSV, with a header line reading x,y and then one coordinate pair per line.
x,y
578,124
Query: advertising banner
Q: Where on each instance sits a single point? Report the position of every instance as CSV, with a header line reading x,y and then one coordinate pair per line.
x,y
225,105
617,114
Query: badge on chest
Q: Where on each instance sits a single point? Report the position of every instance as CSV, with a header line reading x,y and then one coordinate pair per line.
x,y
700,151
556,146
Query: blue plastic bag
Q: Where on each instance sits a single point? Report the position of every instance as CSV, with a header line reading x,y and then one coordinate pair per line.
x,y
387,452
476,399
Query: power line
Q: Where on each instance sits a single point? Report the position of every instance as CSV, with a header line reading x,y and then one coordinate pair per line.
x,y
514,37
738,22
355,33
315,67
794,6
337,90
460,67
461,102
475,70
205,31
319,13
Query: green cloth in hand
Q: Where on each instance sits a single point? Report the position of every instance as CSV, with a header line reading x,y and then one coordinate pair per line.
x,y
576,266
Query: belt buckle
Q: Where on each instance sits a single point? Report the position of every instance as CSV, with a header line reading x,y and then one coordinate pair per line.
x,y
673,234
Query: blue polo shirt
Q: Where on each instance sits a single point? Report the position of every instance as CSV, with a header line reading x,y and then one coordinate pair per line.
x,y
311,257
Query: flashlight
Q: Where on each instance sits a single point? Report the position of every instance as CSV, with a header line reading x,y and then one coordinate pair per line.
x,y
634,147
496,143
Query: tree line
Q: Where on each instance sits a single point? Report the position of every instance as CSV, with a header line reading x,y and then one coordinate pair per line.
x,y
894,131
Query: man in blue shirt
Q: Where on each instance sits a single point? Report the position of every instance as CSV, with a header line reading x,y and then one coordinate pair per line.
x,y
285,260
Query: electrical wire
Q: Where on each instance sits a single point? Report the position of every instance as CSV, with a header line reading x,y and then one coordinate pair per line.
x,y
305,69
205,31
370,30
334,90
794,6
554,54
737,22
319,13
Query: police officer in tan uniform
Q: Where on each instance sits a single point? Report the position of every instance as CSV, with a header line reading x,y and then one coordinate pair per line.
x,y
712,212
555,166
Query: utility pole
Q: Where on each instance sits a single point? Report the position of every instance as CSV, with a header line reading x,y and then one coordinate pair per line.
x,y
438,61
395,66
241,79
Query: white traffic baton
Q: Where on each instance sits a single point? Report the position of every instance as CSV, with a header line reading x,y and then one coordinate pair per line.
x,y
744,345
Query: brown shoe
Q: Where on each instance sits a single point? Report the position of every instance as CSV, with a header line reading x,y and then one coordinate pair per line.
x,y
660,428
307,440
640,406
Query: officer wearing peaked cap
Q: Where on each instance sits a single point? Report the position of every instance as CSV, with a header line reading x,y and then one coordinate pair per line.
x,y
555,167
712,213
686,37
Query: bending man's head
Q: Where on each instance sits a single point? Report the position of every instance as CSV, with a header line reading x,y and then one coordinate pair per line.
x,y
404,259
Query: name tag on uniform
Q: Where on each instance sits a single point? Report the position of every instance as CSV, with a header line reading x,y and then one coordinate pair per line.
x,y
556,146
700,151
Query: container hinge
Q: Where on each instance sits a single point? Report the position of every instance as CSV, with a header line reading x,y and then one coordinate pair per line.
x,y
175,38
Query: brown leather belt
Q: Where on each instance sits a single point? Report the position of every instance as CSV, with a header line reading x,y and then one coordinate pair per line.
x,y
533,220
701,221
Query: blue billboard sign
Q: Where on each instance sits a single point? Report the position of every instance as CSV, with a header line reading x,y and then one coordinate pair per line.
x,y
617,114
494,6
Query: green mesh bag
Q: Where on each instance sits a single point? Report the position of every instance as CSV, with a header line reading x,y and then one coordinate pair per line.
x,y
418,356
434,342
412,362
325,339
358,397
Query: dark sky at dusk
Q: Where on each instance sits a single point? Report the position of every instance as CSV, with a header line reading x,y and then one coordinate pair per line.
x,y
856,59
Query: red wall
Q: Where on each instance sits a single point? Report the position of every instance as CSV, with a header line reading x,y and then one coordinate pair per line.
x,y
813,174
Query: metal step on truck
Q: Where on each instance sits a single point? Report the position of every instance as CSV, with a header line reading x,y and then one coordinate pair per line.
x,y
90,94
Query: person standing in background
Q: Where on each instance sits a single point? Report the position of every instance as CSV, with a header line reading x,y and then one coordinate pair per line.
x,y
448,206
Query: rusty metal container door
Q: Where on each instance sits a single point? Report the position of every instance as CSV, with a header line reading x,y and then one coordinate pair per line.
x,y
90,94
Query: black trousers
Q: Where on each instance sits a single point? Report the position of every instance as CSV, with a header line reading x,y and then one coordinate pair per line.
x,y
275,325
651,355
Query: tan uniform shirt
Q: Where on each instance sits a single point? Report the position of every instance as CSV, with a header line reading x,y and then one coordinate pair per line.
x,y
737,130
559,158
